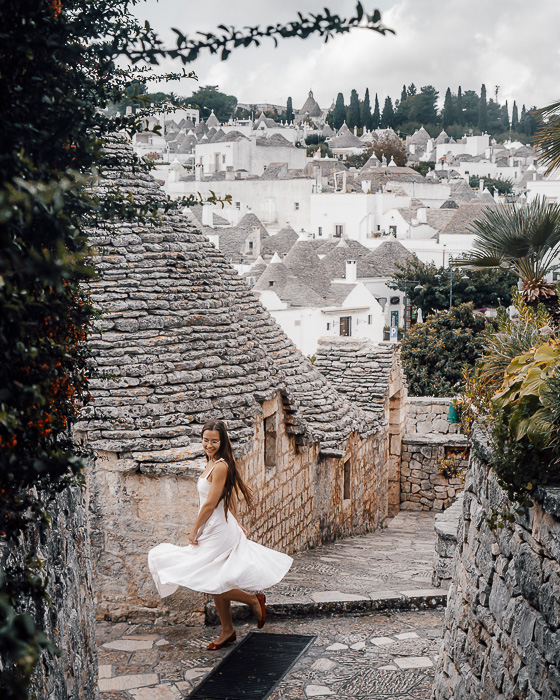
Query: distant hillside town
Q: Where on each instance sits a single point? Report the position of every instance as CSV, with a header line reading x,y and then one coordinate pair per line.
x,y
321,218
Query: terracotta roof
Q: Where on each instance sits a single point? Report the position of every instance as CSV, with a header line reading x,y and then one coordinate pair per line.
x,y
185,340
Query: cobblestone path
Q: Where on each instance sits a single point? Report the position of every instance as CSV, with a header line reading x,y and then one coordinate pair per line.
x,y
373,654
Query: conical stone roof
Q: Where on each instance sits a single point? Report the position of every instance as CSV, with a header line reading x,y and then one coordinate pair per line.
x,y
182,339
304,262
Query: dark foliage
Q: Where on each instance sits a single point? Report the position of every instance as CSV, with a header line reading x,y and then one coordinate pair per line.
x,y
435,353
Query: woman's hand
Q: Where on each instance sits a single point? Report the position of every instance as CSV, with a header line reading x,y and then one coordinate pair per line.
x,y
193,537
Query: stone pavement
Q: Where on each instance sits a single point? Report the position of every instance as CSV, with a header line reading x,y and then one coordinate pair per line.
x,y
384,646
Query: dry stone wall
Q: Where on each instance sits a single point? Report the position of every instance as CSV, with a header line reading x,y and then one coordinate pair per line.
x,y
423,485
502,624
63,545
427,415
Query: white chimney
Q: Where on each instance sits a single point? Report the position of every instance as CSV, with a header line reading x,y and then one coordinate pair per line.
x,y
481,185
207,216
351,271
422,215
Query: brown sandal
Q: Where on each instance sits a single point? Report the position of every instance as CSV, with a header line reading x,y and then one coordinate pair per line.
x,y
262,600
214,646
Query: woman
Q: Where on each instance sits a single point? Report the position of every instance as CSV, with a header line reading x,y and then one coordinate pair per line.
x,y
219,559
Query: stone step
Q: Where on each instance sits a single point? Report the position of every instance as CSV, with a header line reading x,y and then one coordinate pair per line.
x,y
338,603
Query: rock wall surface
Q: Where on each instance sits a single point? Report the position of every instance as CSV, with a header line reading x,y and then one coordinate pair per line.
x,y
427,414
68,619
423,485
502,624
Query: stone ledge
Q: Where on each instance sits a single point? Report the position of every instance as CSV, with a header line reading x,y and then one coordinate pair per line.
x,y
452,439
340,604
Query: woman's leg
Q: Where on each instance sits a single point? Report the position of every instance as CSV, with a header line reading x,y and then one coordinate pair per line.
x,y
223,606
249,599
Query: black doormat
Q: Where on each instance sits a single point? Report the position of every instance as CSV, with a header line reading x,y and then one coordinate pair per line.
x,y
254,668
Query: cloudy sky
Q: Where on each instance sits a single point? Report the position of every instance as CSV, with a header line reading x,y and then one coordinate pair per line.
x,y
512,44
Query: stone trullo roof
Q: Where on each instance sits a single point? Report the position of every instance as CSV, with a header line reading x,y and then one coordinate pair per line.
x,y
183,339
310,107
304,263
360,369
282,242
335,259
387,256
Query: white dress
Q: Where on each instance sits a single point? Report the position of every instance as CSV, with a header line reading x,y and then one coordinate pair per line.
x,y
223,558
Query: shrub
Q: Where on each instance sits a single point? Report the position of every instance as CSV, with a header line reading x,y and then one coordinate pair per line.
x,y
435,352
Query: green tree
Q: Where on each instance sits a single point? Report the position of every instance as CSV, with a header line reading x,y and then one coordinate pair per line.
x,y
484,288
499,185
208,98
523,239
483,110
411,90
435,353
459,106
471,102
514,117
388,115
375,117
289,111
424,166
448,113
339,112
365,112
404,94
353,114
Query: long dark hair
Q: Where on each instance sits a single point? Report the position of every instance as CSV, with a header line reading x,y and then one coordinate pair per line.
x,y
234,482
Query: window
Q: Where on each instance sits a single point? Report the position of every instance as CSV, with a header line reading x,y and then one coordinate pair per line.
x,y
296,206
238,205
223,159
346,483
370,319
320,231
379,227
338,230
270,441
250,245
346,326
271,283
393,230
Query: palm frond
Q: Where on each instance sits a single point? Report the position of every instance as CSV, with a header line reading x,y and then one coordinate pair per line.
x,y
547,138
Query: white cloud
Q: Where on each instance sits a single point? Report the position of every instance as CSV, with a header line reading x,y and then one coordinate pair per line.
x,y
459,42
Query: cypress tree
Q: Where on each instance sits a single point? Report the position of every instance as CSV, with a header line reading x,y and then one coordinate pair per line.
x,y
388,115
365,115
411,90
339,113
483,110
403,93
505,116
353,118
514,117
448,116
289,111
376,117
459,106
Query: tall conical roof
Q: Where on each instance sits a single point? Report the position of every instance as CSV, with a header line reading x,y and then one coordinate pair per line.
x,y
185,340
212,121
304,262
311,107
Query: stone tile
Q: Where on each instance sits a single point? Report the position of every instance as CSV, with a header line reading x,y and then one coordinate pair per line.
x,y
358,646
144,656
108,656
161,642
407,662
129,644
128,682
337,647
105,670
323,664
318,691
160,692
388,667
423,592
195,673
407,635
382,641
335,596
